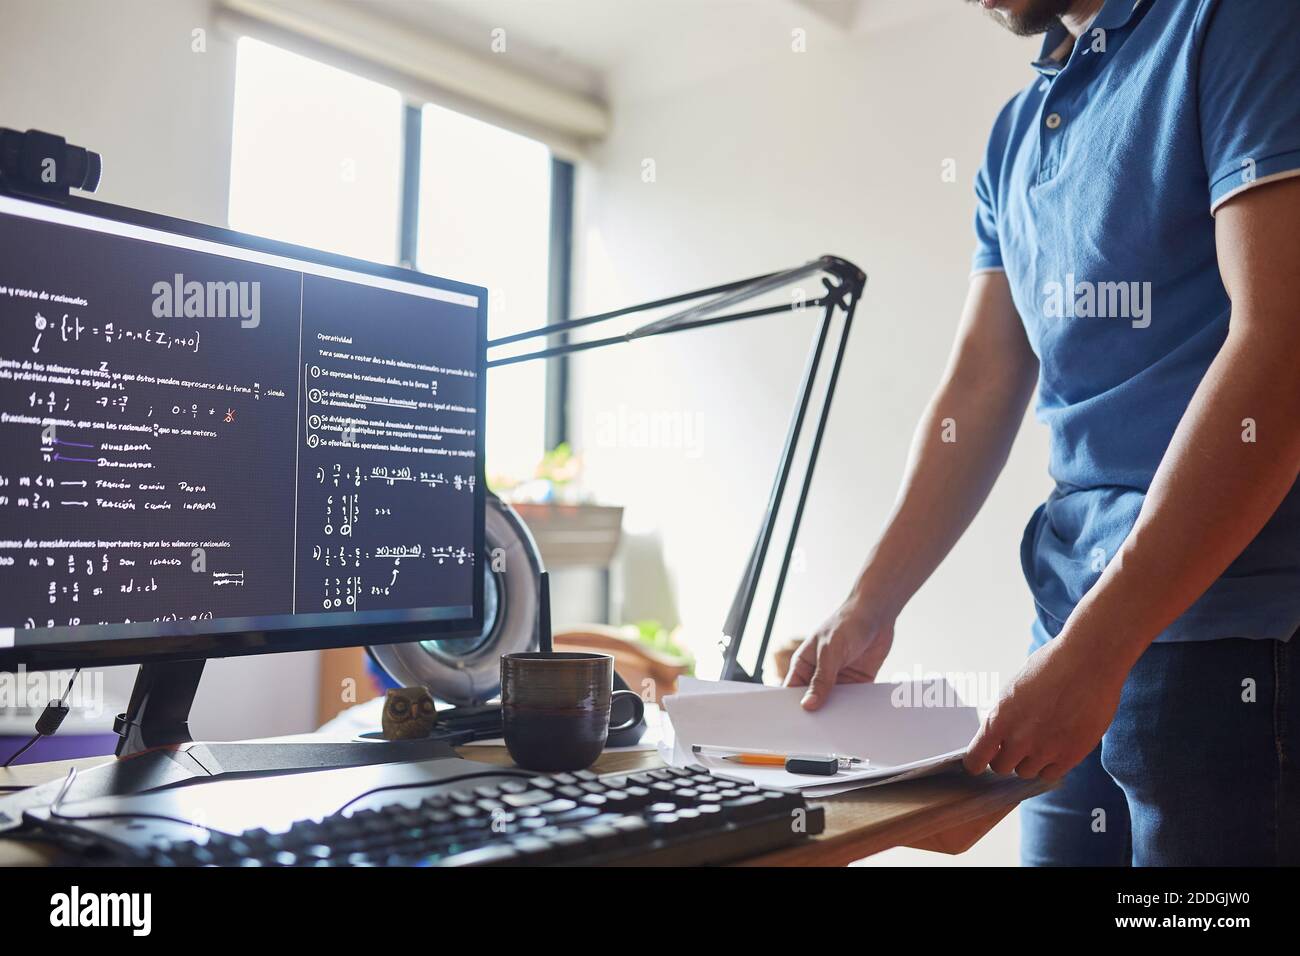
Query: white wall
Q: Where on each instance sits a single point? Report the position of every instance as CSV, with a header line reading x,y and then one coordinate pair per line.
x,y
836,150
122,78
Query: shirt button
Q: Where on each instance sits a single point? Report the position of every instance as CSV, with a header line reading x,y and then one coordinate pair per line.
x,y
1053,120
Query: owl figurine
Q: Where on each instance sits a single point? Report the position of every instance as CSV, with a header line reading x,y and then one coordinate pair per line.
x,y
408,714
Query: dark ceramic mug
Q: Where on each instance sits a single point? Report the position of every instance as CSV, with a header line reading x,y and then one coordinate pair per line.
x,y
555,708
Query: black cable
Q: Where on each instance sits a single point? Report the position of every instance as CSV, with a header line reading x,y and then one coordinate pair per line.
x,y
415,785
20,751
51,717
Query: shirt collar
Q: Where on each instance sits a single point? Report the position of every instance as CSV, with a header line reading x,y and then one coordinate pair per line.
x,y
1113,15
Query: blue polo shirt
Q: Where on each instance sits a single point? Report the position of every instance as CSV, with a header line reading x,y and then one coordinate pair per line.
x,y
1097,196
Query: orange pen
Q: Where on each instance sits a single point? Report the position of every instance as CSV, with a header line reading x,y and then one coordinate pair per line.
x,y
821,764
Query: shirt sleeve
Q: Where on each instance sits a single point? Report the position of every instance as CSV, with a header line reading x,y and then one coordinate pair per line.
x,y
988,250
1248,94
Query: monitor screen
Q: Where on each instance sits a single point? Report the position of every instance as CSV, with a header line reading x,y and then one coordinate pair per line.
x,y
216,444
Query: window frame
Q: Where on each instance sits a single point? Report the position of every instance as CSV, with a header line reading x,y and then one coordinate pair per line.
x,y
559,262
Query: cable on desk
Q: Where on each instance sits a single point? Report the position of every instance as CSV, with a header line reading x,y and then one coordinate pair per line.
x,y
49,722
504,772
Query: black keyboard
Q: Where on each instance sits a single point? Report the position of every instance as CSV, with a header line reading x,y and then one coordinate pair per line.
x,y
671,816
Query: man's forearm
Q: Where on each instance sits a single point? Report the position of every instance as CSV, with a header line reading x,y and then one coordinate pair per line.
x,y
1214,491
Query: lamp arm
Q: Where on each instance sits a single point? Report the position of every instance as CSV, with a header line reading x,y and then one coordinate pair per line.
x,y
848,277
844,283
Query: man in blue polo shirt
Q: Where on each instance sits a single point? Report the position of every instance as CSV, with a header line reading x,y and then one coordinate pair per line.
x,y
1138,267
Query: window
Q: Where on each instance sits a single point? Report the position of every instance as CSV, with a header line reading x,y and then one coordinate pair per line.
x,y
317,158
485,205
316,155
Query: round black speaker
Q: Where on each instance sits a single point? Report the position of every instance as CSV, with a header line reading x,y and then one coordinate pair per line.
x,y
466,671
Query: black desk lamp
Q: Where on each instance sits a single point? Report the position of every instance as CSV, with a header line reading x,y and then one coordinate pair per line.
x,y
843,283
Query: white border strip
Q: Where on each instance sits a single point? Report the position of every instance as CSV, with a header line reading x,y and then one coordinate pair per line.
x,y
1272,178
79,220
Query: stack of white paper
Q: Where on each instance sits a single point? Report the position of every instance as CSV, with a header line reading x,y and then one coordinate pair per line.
x,y
903,730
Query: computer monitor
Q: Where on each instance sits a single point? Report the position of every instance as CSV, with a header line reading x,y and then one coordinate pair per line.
x,y
215,444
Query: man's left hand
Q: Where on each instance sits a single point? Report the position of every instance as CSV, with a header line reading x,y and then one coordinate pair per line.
x,y
1051,716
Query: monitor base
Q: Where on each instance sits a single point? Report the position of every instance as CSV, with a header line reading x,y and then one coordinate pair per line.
x,y
196,762
156,750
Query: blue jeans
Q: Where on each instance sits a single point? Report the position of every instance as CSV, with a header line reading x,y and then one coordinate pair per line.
x,y
1195,770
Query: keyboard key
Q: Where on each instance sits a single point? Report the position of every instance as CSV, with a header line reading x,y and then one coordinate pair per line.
x,y
631,827
602,836
575,816
525,798
748,807
689,818
557,806
534,850
570,844
484,856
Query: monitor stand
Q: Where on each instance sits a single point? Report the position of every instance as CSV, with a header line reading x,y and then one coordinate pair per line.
x,y
157,751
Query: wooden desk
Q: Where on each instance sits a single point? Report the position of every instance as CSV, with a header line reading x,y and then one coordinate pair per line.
x,y
947,814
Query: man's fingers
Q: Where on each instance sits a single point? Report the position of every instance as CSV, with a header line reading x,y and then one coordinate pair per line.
x,y
823,679
1011,753
1031,767
854,675
802,664
985,745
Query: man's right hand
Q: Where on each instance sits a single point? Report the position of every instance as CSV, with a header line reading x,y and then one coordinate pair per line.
x,y
848,649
